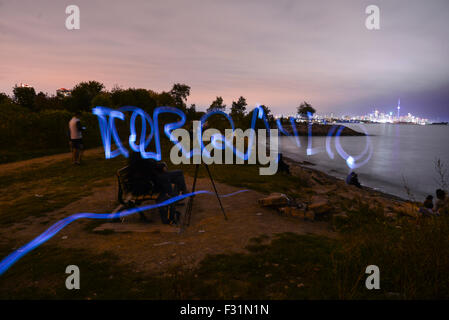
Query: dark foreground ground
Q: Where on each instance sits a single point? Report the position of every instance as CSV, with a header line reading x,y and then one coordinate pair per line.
x,y
256,254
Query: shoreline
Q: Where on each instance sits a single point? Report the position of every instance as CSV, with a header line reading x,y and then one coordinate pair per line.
x,y
305,166
321,130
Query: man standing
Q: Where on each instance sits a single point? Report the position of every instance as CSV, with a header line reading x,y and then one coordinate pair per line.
x,y
76,138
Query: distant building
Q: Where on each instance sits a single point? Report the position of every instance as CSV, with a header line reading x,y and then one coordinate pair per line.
x,y
63,92
23,85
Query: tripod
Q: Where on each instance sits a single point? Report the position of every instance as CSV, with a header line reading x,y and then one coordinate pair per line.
x,y
188,213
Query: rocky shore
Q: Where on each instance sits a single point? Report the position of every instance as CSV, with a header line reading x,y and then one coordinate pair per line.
x,y
330,198
319,130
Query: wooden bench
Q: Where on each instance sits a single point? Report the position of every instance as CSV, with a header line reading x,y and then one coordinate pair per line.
x,y
125,196
128,199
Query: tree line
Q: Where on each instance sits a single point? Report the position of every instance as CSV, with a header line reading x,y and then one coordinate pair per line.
x,y
86,95
33,124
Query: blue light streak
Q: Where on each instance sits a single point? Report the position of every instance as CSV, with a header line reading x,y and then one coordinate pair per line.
x,y
12,258
144,139
107,128
218,141
168,128
108,131
310,151
351,161
329,151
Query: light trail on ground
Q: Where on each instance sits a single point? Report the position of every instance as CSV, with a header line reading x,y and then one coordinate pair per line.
x,y
12,258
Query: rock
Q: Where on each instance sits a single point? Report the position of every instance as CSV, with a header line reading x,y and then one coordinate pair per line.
x,y
274,199
309,215
291,212
408,210
390,215
346,195
285,211
339,217
320,205
300,204
162,243
324,190
297,212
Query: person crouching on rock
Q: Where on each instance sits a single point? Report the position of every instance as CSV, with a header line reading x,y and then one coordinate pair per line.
x,y
282,166
353,180
442,203
427,209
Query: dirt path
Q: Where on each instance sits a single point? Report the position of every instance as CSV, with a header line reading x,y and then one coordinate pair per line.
x,y
156,248
44,161
153,247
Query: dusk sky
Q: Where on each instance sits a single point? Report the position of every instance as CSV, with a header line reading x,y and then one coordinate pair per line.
x,y
276,53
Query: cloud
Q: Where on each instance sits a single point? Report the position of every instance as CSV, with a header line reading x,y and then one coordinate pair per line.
x,y
273,52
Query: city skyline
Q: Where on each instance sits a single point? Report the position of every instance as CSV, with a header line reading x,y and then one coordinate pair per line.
x,y
341,115
320,51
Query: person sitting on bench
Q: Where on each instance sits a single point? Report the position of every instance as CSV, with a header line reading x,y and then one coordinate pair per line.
x,y
143,174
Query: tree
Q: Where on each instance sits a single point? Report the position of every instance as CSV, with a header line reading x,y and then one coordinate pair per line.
x,y
164,99
83,93
102,100
4,98
141,98
305,108
25,96
267,111
238,108
217,104
41,101
180,92
191,112
260,124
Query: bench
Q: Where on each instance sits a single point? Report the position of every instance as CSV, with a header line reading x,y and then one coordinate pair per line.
x,y
128,199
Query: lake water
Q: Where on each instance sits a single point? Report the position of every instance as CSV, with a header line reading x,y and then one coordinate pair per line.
x,y
399,151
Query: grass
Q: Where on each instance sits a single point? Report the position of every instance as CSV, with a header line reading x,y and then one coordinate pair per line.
x,y
247,176
413,257
41,275
413,264
10,155
37,190
291,266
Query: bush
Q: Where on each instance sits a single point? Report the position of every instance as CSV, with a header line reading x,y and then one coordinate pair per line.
x,y
22,131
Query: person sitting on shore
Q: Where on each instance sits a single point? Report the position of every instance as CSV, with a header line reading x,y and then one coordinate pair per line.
x,y
353,180
143,174
282,166
442,203
427,209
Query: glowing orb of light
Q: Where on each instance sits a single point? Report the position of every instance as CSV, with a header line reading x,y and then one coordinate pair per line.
x,y
350,162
